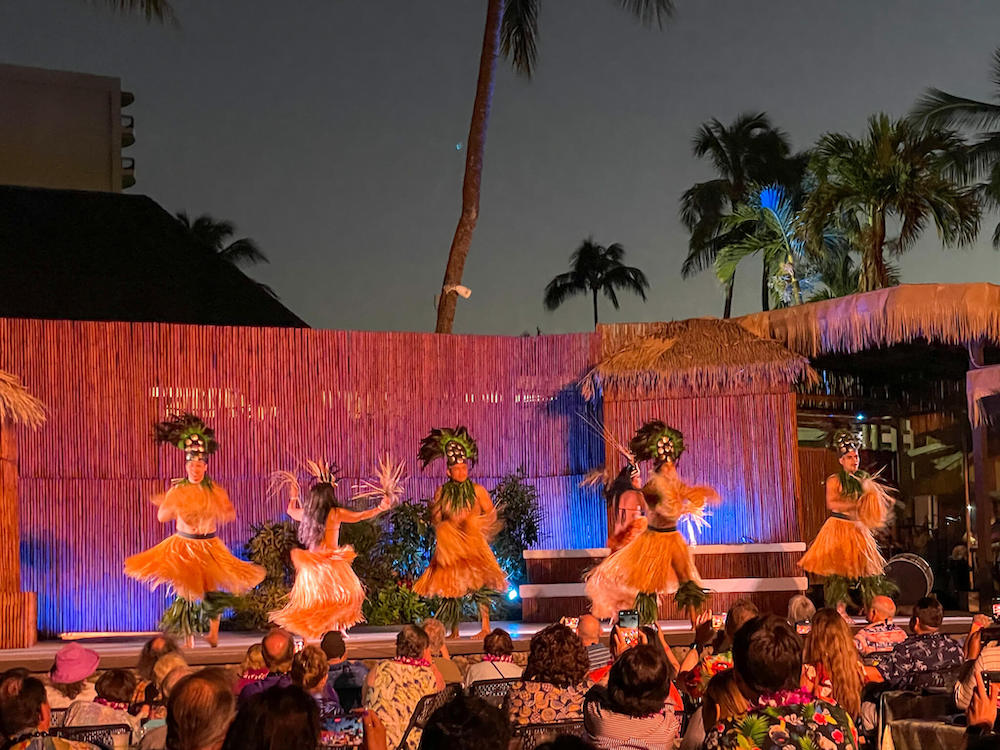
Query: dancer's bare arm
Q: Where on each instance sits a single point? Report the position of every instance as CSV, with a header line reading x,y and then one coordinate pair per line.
x,y
835,499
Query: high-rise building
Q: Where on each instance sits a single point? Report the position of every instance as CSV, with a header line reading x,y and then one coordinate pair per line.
x,y
64,130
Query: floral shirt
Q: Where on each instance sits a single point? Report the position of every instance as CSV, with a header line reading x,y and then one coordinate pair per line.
x,y
710,665
542,702
394,690
879,637
786,721
922,661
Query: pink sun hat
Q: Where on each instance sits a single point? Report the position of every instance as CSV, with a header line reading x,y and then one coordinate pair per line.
x,y
74,663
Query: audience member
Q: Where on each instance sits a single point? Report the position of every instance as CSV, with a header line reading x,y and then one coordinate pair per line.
x,y
589,630
881,635
722,700
800,609
278,649
311,672
252,669
154,736
633,709
831,669
465,723
981,716
654,637
498,659
702,662
146,691
199,710
68,677
283,717
439,651
25,716
767,657
115,689
554,682
983,657
347,678
395,686
925,659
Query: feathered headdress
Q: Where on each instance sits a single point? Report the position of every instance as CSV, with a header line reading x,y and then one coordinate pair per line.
x,y
322,472
454,445
656,441
189,433
847,440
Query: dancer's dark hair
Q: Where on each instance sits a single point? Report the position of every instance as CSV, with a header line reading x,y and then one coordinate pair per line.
x,y
621,484
318,502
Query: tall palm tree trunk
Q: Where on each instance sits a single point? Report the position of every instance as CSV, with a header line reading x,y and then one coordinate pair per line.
x,y
727,311
874,273
475,149
594,293
765,292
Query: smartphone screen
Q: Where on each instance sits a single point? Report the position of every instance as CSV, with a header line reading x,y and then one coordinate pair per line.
x,y
718,622
570,622
343,730
803,627
628,618
996,609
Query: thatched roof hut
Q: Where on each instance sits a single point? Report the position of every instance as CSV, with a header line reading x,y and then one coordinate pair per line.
x,y
951,314
698,356
17,405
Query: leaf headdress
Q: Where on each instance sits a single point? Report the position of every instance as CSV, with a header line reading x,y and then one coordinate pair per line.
x,y
847,440
455,445
188,433
658,442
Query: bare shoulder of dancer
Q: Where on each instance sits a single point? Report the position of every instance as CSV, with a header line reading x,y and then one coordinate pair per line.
x,y
835,499
484,503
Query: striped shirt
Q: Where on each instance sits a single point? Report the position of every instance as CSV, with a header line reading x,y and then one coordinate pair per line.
x,y
609,730
599,655
988,661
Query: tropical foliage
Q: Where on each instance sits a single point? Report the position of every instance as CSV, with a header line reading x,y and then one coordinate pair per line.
x,y
898,174
980,160
596,269
214,237
512,31
153,10
745,154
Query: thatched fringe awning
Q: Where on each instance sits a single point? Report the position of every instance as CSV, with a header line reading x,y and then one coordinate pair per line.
x,y
698,355
17,405
954,314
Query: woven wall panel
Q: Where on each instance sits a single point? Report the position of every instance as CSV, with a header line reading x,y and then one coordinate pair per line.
x,y
272,395
17,625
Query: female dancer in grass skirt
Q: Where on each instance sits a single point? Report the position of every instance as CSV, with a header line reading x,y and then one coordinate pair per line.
x,y
194,562
658,560
326,595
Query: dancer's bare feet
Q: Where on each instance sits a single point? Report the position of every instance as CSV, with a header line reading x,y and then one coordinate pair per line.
x,y
213,633
484,619
454,633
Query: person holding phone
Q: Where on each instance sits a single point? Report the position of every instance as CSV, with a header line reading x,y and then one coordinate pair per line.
x,y
658,561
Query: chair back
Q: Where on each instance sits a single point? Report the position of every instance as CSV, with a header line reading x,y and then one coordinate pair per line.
x,y
492,691
424,708
58,716
533,735
104,736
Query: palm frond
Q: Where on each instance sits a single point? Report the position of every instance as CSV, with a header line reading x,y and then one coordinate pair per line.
x,y
153,10
561,288
940,109
650,12
243,250
519,34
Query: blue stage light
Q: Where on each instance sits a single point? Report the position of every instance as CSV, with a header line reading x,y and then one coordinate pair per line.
x,y
859,416
512,594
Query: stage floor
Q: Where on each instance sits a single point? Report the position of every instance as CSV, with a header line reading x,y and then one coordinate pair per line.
x,y
122,650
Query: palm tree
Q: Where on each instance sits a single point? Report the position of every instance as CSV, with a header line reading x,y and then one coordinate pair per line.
x,y
981,158
153,10
596,269
511,30
750,151
766,225
213,235
897,173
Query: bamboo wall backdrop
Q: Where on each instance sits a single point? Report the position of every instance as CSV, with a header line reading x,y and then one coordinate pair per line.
x,y
273,396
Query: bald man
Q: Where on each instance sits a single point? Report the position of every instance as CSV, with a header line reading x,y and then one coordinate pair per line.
x,y
278,649
881,635
589,630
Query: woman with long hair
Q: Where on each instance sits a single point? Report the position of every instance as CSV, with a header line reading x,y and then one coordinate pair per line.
x,y
831,667
326,595
626,505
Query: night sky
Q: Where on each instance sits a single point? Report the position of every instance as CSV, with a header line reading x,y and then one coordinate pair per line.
x,y
332,132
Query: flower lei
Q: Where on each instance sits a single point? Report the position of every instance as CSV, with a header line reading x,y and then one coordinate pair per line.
x,y
509,658
118,706
411,661
786,698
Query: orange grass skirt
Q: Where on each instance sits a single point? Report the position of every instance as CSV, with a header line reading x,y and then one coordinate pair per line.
x,y
326,596
843,548
462,562
193,567
654,562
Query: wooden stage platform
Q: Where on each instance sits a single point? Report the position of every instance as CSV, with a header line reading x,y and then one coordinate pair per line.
x,y
122,650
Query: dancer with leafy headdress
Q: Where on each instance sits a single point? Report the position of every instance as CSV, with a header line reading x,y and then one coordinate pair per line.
x,y
844,551
464,521
658,560
327,594
194,562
